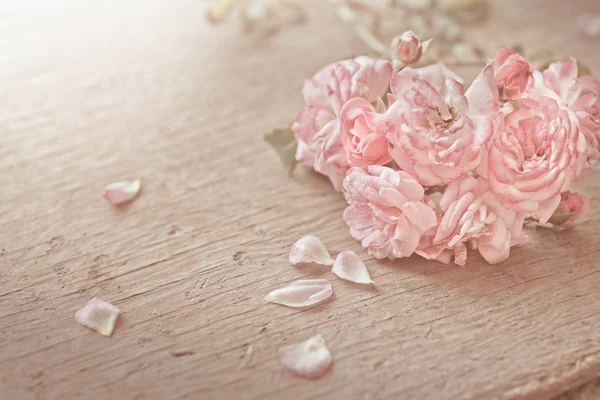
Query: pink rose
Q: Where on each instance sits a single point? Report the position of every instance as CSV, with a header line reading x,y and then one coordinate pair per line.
x,y
356,77
437,132
407,48
316,126
539,154
363,134
471,213
386,211
330,156
571,208
587,107
310,121
560,82
512,74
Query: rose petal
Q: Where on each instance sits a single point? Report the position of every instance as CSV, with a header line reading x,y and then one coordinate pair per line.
x,y
98,315
302,293
310,249
121,192
350,267
310,359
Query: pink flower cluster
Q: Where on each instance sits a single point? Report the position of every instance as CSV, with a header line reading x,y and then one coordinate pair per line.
x,y
507,148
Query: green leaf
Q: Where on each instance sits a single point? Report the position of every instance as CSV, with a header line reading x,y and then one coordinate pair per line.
x,y
284,143
560,219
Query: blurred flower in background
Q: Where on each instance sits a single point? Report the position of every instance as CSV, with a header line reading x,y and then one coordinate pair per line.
x,y
441,19
588,25
267,14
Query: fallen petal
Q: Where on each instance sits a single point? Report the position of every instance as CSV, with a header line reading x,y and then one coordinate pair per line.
x,y
121,192
310,359
302,293
98,315
310,249
349,266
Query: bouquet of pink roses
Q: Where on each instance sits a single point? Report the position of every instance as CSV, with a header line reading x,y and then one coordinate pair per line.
x,y
428,167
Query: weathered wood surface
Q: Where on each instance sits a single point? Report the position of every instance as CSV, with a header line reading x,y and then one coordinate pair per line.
x,y
94,92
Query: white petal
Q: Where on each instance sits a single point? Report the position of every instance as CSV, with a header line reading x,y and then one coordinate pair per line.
x,y
310,249
310,359
350,267
98,315
302,293
121,192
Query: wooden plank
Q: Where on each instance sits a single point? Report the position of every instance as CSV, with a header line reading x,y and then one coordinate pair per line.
x,y
96,92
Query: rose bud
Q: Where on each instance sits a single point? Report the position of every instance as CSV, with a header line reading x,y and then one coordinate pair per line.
x,y
512,74
407,48
571,208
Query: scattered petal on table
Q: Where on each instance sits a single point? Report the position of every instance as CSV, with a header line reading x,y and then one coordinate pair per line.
x,y
121,192
98,315
310,249
302,293
310,359
350,267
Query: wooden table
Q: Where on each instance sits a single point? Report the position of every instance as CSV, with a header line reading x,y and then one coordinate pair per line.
x,y
95,92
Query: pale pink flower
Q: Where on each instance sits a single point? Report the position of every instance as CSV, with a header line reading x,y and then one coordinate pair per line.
x,y
330,156
561,83
572,205
512,74
386,211
316,126
471,213
363,134
437,132
310,121
407,48
539,154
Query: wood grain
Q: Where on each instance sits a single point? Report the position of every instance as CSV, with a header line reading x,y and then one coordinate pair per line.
x,y
95,92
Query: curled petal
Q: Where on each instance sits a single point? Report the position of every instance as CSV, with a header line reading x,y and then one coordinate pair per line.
x,y
98,315
302,293
436,75
310,359
310,249
350,267
483,94
121,192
